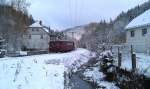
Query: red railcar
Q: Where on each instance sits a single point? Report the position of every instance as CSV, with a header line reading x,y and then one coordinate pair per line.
x,y
61,46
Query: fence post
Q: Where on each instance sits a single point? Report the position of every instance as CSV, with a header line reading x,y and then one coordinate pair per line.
x,y
111,48
119,58
131,49
133,62
133,58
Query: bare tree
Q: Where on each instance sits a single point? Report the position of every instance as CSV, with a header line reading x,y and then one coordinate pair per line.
x,y
20,5
3,2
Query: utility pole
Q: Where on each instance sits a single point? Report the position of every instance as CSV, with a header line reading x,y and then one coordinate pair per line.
x,y
49,33
119,58
65,34
73,38
72,34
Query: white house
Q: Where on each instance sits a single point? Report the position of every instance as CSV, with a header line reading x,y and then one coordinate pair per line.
x,y
36,37
75,33
138,32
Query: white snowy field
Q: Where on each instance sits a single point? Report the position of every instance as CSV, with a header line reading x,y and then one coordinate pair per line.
x,y
40,71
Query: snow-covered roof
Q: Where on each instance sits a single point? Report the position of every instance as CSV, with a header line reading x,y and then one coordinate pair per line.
x,y
36,24
141,20
45,29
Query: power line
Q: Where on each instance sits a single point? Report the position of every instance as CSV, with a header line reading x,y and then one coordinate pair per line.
x,y
70,12
82,9
76,11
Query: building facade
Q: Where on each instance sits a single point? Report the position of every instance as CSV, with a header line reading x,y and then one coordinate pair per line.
x,y
137,32
36,37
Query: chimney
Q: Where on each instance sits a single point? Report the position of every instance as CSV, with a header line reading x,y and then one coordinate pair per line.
x,y
40,22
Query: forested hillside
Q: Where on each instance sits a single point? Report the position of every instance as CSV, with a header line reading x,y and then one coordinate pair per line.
x,y
13,20
112,32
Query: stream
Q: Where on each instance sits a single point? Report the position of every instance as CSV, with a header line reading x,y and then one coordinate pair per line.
x,y
78,83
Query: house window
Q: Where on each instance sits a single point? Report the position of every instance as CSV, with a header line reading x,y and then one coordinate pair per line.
x,y
32,29
37,30
25,36
144,32
132,34
29,36
41,36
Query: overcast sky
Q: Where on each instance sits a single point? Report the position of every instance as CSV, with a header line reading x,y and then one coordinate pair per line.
x,y
62,14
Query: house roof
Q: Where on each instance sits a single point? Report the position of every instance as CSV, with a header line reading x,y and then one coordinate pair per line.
x,y
46,30
36,24
141,20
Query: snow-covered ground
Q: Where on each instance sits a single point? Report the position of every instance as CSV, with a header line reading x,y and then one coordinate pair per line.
x,y
143,63
40,71
93,74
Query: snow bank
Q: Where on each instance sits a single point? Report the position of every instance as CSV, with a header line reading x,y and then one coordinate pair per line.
x,y
40,71
107,85
72,60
